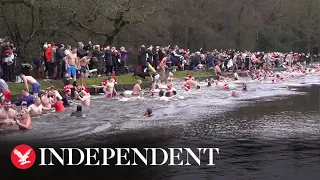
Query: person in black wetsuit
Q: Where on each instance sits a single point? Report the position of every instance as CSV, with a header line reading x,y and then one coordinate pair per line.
x,y
148,112
78,112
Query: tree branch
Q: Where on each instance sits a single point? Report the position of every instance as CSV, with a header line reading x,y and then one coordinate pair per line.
x,y
6,22
145,16
25,2
73,15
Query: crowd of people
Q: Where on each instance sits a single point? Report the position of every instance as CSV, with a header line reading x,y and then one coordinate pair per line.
x,y
159,63
60,61
8,60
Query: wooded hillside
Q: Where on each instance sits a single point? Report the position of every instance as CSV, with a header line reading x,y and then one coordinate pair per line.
x,y
256,25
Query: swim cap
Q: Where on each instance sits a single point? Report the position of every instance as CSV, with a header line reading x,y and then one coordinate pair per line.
x,y
189,76
68,86
67,90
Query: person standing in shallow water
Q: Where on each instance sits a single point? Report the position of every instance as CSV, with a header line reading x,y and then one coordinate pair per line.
x,y
137,89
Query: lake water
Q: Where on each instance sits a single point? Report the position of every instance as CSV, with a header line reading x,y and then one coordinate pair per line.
x,y
269,132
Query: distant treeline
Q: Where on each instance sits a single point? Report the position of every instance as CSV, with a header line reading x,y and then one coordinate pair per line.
x,y
255,25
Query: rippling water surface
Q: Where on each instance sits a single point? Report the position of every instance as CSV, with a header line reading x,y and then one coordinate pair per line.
x,y
269,132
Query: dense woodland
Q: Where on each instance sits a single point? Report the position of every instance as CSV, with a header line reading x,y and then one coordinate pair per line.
x,y
255,25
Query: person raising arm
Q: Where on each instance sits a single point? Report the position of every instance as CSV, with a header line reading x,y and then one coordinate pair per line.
x,y
24,122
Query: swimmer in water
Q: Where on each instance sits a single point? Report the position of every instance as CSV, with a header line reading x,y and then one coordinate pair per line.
x,y
235,75
198,88
24,120
85,98
173,93
36,108
187,88
78,112
122,98
59,105
46,100
154,90
191,83
234,93
225,87
244,87
7,115
168,94
148,112
162,96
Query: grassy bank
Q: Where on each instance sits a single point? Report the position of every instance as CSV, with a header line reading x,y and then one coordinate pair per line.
x,y
15,88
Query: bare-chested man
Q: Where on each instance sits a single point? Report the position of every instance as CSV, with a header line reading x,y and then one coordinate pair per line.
x,y
162,67
34,83
218,71
109,88
83,62
7,115
37,108
71,64
84,97
46,100
137,89
191,83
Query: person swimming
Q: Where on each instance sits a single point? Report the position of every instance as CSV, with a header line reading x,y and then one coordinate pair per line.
x,y
162,96
78,112
148,112
198,88
173,93
122,97
85,97
244,87
235,75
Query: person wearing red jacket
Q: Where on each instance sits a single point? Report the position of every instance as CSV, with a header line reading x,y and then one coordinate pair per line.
x,y
49,62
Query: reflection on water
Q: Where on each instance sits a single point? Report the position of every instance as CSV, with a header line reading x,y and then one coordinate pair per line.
x,y
268,132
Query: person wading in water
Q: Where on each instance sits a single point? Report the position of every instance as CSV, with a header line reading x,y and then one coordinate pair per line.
x,y
84,62
7,115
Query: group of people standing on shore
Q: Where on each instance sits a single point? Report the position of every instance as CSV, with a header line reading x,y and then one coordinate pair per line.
x,y
65,61
61,61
